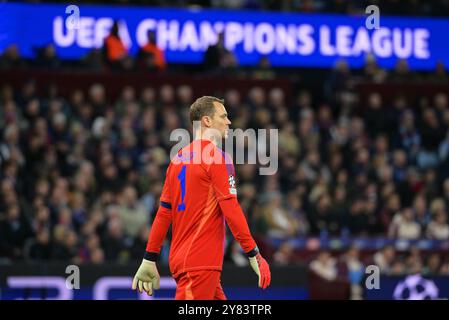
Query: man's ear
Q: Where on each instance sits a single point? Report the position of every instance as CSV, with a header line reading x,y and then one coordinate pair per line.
x,y
207,121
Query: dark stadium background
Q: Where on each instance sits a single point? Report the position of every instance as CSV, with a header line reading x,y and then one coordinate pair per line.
x,y
363,174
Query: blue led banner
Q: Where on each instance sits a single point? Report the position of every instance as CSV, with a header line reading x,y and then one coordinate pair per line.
x,y
111,281
307,40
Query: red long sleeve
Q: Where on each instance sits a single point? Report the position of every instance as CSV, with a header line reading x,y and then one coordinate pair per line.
x,y
159,229
237,223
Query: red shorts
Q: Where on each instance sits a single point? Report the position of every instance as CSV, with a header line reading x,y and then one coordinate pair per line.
x,y
199,285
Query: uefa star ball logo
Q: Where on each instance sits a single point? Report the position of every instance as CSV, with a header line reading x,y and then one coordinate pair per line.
x,y
232,189
231,181
415,288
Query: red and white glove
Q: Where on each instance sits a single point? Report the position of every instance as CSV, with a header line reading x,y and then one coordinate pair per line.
x,y
261,268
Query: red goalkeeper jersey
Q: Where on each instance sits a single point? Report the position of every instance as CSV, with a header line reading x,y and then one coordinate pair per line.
x,y
198,196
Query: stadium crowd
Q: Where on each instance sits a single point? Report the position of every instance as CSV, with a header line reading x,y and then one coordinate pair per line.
x,y
81,175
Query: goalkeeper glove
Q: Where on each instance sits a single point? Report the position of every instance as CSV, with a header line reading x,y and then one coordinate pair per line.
x,y
146,278
260,267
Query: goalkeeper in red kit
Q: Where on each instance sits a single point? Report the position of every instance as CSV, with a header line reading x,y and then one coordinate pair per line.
x,y
198,196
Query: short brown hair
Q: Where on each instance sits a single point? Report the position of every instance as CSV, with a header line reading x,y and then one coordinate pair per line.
x,y
203,106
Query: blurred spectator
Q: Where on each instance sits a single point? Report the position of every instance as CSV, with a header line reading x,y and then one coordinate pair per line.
x,y
358,218
444,269
217,57
413,261
97,101
401,72
284,256
233,4
263,70
150,55
446,193
407,136
338,6
438,227
433,264
296,211
440,104
114,49
47,58
40,248
432,134
340,203
10,149
280,221
384,259
321,217
399,165
422,214
439,75
324,266
375,115
14,231
94,60
372,72
11,58
338,80
398,268
355,271
114,241
139,242
66,245
403,225
97,256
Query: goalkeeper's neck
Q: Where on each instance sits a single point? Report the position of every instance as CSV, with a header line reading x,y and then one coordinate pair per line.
x,y
213,135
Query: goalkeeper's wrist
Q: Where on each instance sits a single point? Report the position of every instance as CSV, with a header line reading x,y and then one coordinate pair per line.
x,y
150,256
253,253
